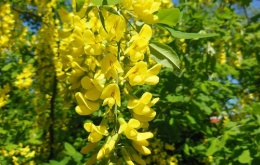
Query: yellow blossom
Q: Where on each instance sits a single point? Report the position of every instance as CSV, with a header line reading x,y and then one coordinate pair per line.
x,y
145,9
107,147
115,26
94,86
139,44
96,132
142,149
93,43
142,106
111,95
130,130
85,107
139,74
111,66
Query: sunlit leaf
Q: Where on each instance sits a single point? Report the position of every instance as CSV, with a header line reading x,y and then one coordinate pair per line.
x,y
102,19
169,17
79,4
34,141
110,9
245,157
105,2
213,147
186,149
164,55
184,35
70,149
7,67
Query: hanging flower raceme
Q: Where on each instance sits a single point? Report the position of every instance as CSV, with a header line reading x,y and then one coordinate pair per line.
x,y
102,52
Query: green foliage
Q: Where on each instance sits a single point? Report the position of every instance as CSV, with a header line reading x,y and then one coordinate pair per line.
x,y
169,17
183,35
164,55
214,73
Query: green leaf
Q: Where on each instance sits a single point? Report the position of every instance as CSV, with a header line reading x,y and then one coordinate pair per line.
x,y
77,157
223,140
97,2
89,8
256,108
2,131
245,157
54,162
101,17
65,160
171,121
183,35
191,119
164,55
230,124
79,5
70,149
105,2
110,9
213,147
186,149
34,141
111,2
169,17
7,67
174,98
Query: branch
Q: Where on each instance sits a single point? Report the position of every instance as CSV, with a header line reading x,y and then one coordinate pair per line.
x,y
52,117
26,13
245,12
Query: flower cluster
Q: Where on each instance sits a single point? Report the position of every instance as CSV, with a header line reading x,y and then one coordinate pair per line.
x,y
24,79
7,25
4,95
162,153
20,155
104,53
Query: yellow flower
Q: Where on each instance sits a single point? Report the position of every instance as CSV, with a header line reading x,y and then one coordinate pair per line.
x,y
96,132
93,43
142,149
76,37
88,148
3,95
107,147
111,95
24,80
93,86
115,26
110,66
85,107
142,106
31,154
145,9
130,131
94,23
76,73
139,75
129,128
139,44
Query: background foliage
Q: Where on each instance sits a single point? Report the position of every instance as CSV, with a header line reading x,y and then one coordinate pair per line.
x,y
218,77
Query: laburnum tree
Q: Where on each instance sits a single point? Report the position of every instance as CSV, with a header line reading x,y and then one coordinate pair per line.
x,y
100,82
